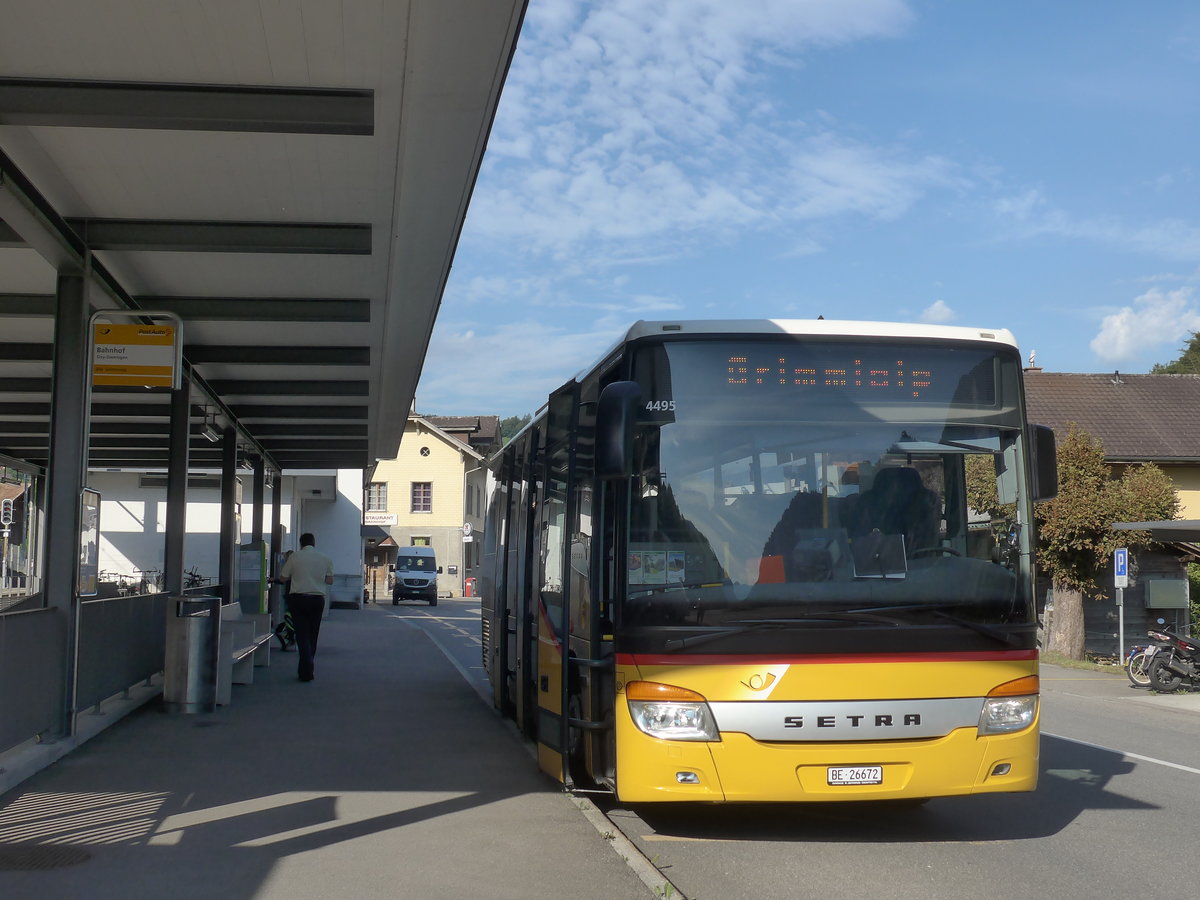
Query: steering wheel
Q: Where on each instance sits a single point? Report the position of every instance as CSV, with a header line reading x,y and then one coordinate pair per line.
x,y
925,550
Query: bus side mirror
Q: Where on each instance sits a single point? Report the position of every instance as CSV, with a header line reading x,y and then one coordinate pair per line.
x,y
616,415
1045,463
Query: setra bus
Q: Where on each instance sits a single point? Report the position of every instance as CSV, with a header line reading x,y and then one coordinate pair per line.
x,y
735,561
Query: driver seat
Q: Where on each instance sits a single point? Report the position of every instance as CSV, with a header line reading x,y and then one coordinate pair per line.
x,y
899,503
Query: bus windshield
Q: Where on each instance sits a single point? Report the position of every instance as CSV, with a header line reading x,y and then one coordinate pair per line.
x,y
801,491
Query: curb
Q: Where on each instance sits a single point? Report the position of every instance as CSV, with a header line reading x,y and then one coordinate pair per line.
x,y
647,873
645,870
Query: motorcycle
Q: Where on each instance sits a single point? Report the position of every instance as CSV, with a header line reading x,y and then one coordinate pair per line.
x,y
1175,664
1137,664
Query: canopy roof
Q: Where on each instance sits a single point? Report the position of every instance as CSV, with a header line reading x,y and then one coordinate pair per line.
x,y
1167,530
289,178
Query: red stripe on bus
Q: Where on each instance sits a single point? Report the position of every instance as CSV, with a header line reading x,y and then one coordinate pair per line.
x,y
809,659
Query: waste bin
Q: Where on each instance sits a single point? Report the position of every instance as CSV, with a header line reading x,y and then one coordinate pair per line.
x,y
190,664
469,589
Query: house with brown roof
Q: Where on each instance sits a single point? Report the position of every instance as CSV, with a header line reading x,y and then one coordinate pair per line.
x,y
480,433
1137,419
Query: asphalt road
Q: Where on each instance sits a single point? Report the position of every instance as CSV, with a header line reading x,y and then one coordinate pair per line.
x,y
1114,813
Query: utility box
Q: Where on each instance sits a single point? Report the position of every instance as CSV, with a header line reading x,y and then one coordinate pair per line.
x,y
1166,593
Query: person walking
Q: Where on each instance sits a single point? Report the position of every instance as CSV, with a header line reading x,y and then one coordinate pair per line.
x,y
307,573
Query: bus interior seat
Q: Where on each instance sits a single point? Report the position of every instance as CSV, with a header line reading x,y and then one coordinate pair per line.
x,y
899,503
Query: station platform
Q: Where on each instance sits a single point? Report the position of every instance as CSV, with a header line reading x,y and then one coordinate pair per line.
x,y
386,776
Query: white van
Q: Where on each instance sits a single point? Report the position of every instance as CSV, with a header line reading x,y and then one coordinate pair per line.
x,y
416,573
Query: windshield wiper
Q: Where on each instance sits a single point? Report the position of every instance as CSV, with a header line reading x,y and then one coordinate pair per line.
x,y
987,630
939,609
747,625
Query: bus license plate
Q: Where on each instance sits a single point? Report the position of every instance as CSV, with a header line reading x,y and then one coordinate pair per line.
x,y
855,775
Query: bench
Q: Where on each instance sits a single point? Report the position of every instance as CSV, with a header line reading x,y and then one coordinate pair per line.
x,y
245,644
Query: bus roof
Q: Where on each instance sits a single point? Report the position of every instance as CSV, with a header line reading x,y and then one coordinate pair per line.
x,y
817,327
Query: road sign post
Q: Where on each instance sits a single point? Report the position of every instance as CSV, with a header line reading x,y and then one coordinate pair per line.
x,y
1120,582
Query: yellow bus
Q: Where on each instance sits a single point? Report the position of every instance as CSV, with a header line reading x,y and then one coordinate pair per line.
x,y
735,561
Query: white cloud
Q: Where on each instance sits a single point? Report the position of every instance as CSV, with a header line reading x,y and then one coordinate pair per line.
x,y
1022,206
1033,217
833,177
626,122
1155,319
937,313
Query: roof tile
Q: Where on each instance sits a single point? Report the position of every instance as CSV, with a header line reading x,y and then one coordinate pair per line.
x,y
1150,417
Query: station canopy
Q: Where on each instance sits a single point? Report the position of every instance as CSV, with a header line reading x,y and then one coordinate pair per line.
x,y
1166,531
290,178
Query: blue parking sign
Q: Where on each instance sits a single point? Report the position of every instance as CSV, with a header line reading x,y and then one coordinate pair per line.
x,y
1121,567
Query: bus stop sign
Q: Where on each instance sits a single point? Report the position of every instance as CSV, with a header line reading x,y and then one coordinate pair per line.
x,y
1121,567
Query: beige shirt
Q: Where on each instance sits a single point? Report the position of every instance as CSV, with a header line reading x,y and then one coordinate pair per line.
x,y
306,571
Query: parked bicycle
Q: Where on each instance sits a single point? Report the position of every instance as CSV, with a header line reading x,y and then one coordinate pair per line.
x,y
193,579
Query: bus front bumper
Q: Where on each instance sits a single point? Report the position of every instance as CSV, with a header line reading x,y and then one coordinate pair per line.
x,y
740,769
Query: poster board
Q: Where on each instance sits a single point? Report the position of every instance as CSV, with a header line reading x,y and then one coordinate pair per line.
x,y
87,577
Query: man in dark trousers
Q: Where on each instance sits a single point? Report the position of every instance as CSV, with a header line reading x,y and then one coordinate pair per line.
x,y
308,574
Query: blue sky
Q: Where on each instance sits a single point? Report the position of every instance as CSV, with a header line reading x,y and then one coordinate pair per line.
x,y
1022,165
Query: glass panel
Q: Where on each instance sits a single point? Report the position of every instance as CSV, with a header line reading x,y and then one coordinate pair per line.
x,y
377,496
550,537
20,563
407,563
825,513
422,496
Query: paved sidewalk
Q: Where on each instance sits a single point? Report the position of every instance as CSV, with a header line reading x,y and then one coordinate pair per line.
x,y
1114,685
384,777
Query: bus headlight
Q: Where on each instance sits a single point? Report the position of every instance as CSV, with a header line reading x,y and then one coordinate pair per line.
x,y
670,713
1010,707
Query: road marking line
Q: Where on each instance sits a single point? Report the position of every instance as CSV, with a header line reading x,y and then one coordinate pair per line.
x,y
1137,756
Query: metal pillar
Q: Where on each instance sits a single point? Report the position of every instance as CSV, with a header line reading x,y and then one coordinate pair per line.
x,y
67,464
177,477
260,479
229,513
276,521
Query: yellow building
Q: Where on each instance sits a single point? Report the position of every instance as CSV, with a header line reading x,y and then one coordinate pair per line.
x,y
431,494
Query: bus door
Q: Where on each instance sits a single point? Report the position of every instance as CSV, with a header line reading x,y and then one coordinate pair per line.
x,y
590,696
552,584
521,628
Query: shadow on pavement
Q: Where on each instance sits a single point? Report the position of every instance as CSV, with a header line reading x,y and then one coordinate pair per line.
x,y
386,776
1074,778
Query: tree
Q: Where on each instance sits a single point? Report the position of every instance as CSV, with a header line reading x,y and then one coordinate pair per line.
x,y
1075,536
511,425
1188,362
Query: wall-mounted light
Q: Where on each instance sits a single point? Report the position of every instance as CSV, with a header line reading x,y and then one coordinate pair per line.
x,y
210,430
